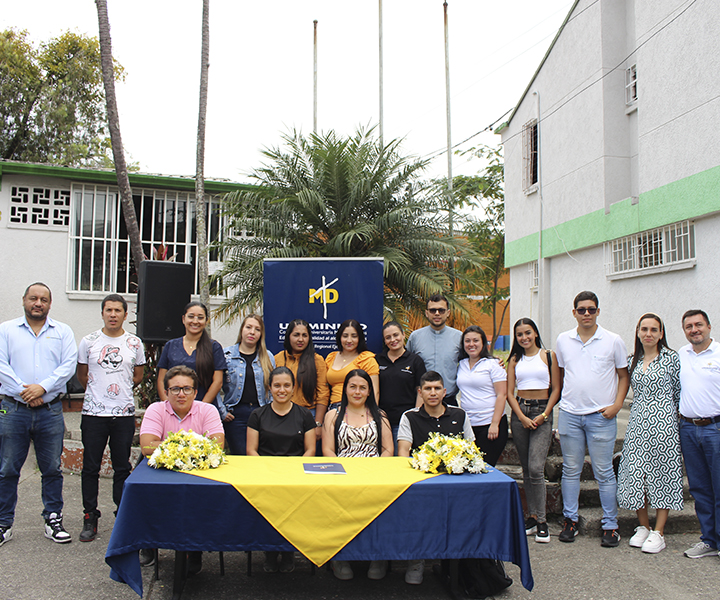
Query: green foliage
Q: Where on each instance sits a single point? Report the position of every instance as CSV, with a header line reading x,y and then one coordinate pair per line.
x,y
485,231
52,104
323,195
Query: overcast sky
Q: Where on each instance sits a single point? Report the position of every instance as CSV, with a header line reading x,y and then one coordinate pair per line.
x,y
261,71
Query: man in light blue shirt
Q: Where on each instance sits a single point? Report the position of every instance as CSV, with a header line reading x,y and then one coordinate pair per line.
x,y
438,345
38,356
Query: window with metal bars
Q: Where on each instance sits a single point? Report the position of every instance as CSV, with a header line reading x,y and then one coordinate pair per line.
x,y
530,155
672,246
534,272
99,257
631,92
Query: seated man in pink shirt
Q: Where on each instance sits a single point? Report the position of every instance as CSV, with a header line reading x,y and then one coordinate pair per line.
x,y
179,412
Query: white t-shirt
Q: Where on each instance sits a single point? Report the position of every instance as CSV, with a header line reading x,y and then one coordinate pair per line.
x,y
111,362
700,382
477,389
590,381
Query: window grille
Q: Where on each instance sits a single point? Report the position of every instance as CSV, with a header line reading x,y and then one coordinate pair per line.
x,y
655,249
99,257
39,207
631,93
534,271
530,154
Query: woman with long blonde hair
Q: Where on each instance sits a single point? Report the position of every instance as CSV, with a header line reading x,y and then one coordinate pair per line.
x,y
248,380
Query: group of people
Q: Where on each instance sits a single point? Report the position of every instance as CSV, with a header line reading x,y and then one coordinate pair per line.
x,y
356,403
675,414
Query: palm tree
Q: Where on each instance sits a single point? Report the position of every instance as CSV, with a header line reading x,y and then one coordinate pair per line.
x,y
202,255
121,169
326,196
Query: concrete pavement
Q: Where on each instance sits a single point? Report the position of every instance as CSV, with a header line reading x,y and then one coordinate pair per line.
x,y
35,568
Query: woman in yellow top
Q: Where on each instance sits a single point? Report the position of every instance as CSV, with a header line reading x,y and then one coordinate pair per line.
x,y
309,369
353,354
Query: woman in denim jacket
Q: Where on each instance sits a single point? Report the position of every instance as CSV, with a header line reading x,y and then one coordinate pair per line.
x,y
245,389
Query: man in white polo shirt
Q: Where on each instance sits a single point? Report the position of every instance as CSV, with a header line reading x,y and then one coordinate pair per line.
x,y
700,427
593,363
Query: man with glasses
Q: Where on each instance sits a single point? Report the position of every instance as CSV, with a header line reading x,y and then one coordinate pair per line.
x,y
593,365
110,362
180,412
438,345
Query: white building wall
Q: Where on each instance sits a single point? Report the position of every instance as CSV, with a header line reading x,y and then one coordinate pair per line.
x,y
595,152
35,254
678,89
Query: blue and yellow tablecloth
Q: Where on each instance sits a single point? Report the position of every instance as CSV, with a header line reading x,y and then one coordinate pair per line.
x,y
317,513
447,516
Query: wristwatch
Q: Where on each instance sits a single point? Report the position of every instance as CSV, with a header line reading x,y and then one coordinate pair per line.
x,y
318,424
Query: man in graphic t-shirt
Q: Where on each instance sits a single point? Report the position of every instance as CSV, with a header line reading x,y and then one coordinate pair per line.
x,y
110,363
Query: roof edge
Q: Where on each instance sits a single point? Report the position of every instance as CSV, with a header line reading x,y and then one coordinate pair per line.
x,y
542,62
109,177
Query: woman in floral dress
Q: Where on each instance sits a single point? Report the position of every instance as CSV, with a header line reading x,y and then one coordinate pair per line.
x,y
650,473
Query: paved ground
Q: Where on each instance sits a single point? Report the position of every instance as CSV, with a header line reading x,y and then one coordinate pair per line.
x,y
34,568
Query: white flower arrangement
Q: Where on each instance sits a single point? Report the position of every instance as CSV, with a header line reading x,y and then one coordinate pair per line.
x,y
187,450
448,454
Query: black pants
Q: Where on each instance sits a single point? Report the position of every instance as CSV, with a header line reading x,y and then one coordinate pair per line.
x,y
492,448
95,434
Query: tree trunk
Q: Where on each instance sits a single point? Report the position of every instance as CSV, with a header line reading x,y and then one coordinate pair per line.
x,y
202,251
121,171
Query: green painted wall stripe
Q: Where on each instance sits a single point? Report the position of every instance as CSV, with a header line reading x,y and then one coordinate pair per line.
x,y
108,178
687,198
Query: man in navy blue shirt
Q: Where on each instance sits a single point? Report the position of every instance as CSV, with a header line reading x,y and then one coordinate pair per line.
x,y
415,428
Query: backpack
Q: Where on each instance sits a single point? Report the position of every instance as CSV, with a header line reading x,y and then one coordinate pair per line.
x,y
482,577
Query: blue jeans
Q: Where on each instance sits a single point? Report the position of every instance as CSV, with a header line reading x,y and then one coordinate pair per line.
x,y
45,426
236,430
701,451
599,434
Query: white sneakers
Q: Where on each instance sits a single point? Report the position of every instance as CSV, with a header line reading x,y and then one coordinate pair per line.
x,y
342,569
641,534
648,541
415,571
378,569
654,543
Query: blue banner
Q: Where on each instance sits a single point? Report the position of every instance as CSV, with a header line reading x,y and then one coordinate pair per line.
x,y
324,292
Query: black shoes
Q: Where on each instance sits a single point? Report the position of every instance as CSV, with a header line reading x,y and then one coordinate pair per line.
x,y
542,534
147,557
610,538
530,525
89,530
569,532
194,565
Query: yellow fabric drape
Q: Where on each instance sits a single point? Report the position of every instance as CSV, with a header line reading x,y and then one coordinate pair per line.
x,y
317,513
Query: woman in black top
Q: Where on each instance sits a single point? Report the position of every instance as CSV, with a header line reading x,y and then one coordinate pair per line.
x,y
400,373
281,428
274,429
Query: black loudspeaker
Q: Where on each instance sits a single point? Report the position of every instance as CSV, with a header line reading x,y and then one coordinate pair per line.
x,y
164,289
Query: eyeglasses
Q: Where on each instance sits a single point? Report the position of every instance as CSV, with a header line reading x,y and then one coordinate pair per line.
x,y
439,311
582,310
175,391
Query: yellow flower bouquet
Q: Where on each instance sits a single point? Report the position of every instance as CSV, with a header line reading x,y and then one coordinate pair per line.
x,y
448,454
187,450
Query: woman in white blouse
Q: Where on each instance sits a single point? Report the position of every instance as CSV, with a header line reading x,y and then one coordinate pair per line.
x,y
483,391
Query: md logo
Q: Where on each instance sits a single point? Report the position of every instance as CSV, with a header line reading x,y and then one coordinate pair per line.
x,y
325,294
